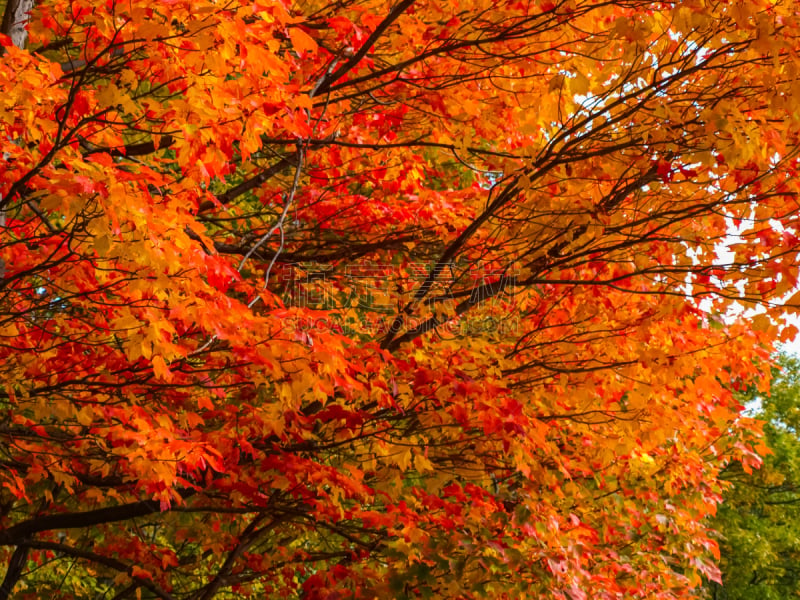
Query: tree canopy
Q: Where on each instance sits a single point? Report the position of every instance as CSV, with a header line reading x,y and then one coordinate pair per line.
x,y
759,516
412,300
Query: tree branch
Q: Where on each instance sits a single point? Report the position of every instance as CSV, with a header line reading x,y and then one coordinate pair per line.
x,y
393,15
13,571
15,535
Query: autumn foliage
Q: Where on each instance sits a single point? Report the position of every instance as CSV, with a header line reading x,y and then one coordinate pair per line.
x,y
386,300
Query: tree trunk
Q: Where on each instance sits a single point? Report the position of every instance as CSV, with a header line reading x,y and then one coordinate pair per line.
x,y
15,18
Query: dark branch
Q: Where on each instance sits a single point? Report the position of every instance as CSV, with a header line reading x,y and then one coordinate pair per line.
x,y
13,571
13,536
393,15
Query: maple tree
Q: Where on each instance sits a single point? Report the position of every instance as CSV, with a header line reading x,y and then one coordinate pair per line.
x,y
348,300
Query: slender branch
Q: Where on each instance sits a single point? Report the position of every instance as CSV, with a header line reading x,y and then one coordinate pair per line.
x,y
278,226
249,184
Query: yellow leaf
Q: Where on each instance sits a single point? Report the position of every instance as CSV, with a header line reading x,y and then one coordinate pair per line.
x,y
556,82
85,416
9,330
109,95
579,84
102,243
160,368
152,29
422,464
402,458
762,322
51,202
127,77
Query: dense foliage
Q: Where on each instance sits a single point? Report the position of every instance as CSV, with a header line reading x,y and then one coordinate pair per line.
x,y
357,300
759,519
